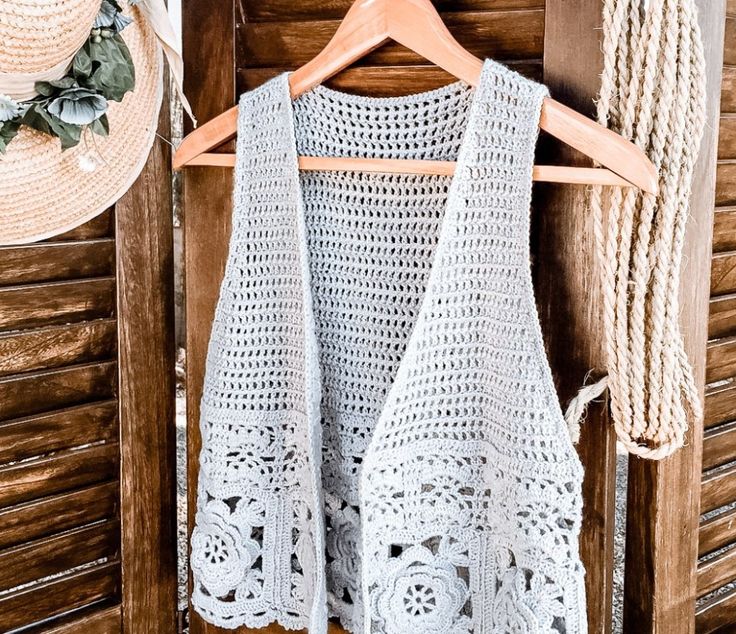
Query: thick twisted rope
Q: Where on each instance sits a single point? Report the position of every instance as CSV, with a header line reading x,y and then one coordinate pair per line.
x,y
653,93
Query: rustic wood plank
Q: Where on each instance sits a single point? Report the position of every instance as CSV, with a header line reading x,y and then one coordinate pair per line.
x,y
718,489
724,229
716,572
723,274
716,613
31,436
507,35
720,404
210,86
721,360
662,528
101,226
49,556
53,261
44,517
144,231
717,532
727,137
97,619
728,90
288,10
569,310
719,445
382,81
729,49
722,319
726,183
35,305
25,481
731,8
55,346
36,392
58,596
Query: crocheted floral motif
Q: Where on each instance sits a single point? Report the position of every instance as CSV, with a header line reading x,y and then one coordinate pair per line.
x,y
421,592
223,551
527,602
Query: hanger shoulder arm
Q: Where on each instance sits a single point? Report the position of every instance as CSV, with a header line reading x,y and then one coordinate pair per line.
x,y
599,143
207,137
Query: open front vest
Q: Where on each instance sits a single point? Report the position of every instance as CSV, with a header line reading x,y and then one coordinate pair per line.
x,y
382,441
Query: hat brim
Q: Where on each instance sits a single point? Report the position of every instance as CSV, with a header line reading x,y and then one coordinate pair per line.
x,y
44,191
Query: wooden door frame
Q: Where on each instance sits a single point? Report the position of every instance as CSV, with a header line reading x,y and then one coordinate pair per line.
x,y
146,390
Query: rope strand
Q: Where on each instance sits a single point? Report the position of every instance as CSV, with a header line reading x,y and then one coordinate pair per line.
x,y
653,93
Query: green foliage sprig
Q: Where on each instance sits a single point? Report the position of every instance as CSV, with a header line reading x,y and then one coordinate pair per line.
x,y
102,71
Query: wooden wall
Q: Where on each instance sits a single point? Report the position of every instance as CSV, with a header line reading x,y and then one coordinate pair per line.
x,y
87,462
59,486
716,573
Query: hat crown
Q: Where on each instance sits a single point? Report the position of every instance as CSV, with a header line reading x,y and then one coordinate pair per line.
x,y
37,35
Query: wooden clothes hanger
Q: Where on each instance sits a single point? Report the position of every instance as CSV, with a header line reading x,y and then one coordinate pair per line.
x,y
416,25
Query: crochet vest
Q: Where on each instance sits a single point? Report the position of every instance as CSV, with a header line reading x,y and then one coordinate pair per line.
x,y
382,441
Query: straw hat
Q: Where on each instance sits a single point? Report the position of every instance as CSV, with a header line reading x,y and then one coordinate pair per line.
x,y
44,191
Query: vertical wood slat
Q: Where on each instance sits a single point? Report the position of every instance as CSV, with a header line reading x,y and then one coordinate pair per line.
x,y
566,290
210,87
662,526
146,357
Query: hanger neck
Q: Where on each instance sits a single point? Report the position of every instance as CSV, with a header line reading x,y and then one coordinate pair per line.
x,y
368,24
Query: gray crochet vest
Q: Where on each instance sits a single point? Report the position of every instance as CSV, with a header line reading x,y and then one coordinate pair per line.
x,y
382,441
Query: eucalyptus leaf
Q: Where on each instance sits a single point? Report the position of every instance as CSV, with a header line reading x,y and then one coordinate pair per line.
x,y
82,66
8,130
113,72
100,126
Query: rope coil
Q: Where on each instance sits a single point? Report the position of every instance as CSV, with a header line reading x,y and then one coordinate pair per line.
x,y
653,93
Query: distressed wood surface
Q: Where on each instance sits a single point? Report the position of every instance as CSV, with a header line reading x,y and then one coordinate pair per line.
x,y
716,572
722,318
717,532
98,620
718,488
209,56
566,286
64,471
662,527
57,513
56,346
146,358
726,183
102,226
43,391
727,137
719,446
723,274
31,436
721,360
47,262
288,10
507,35
718,404
52,555
712,614
724,228
60,595
38,305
